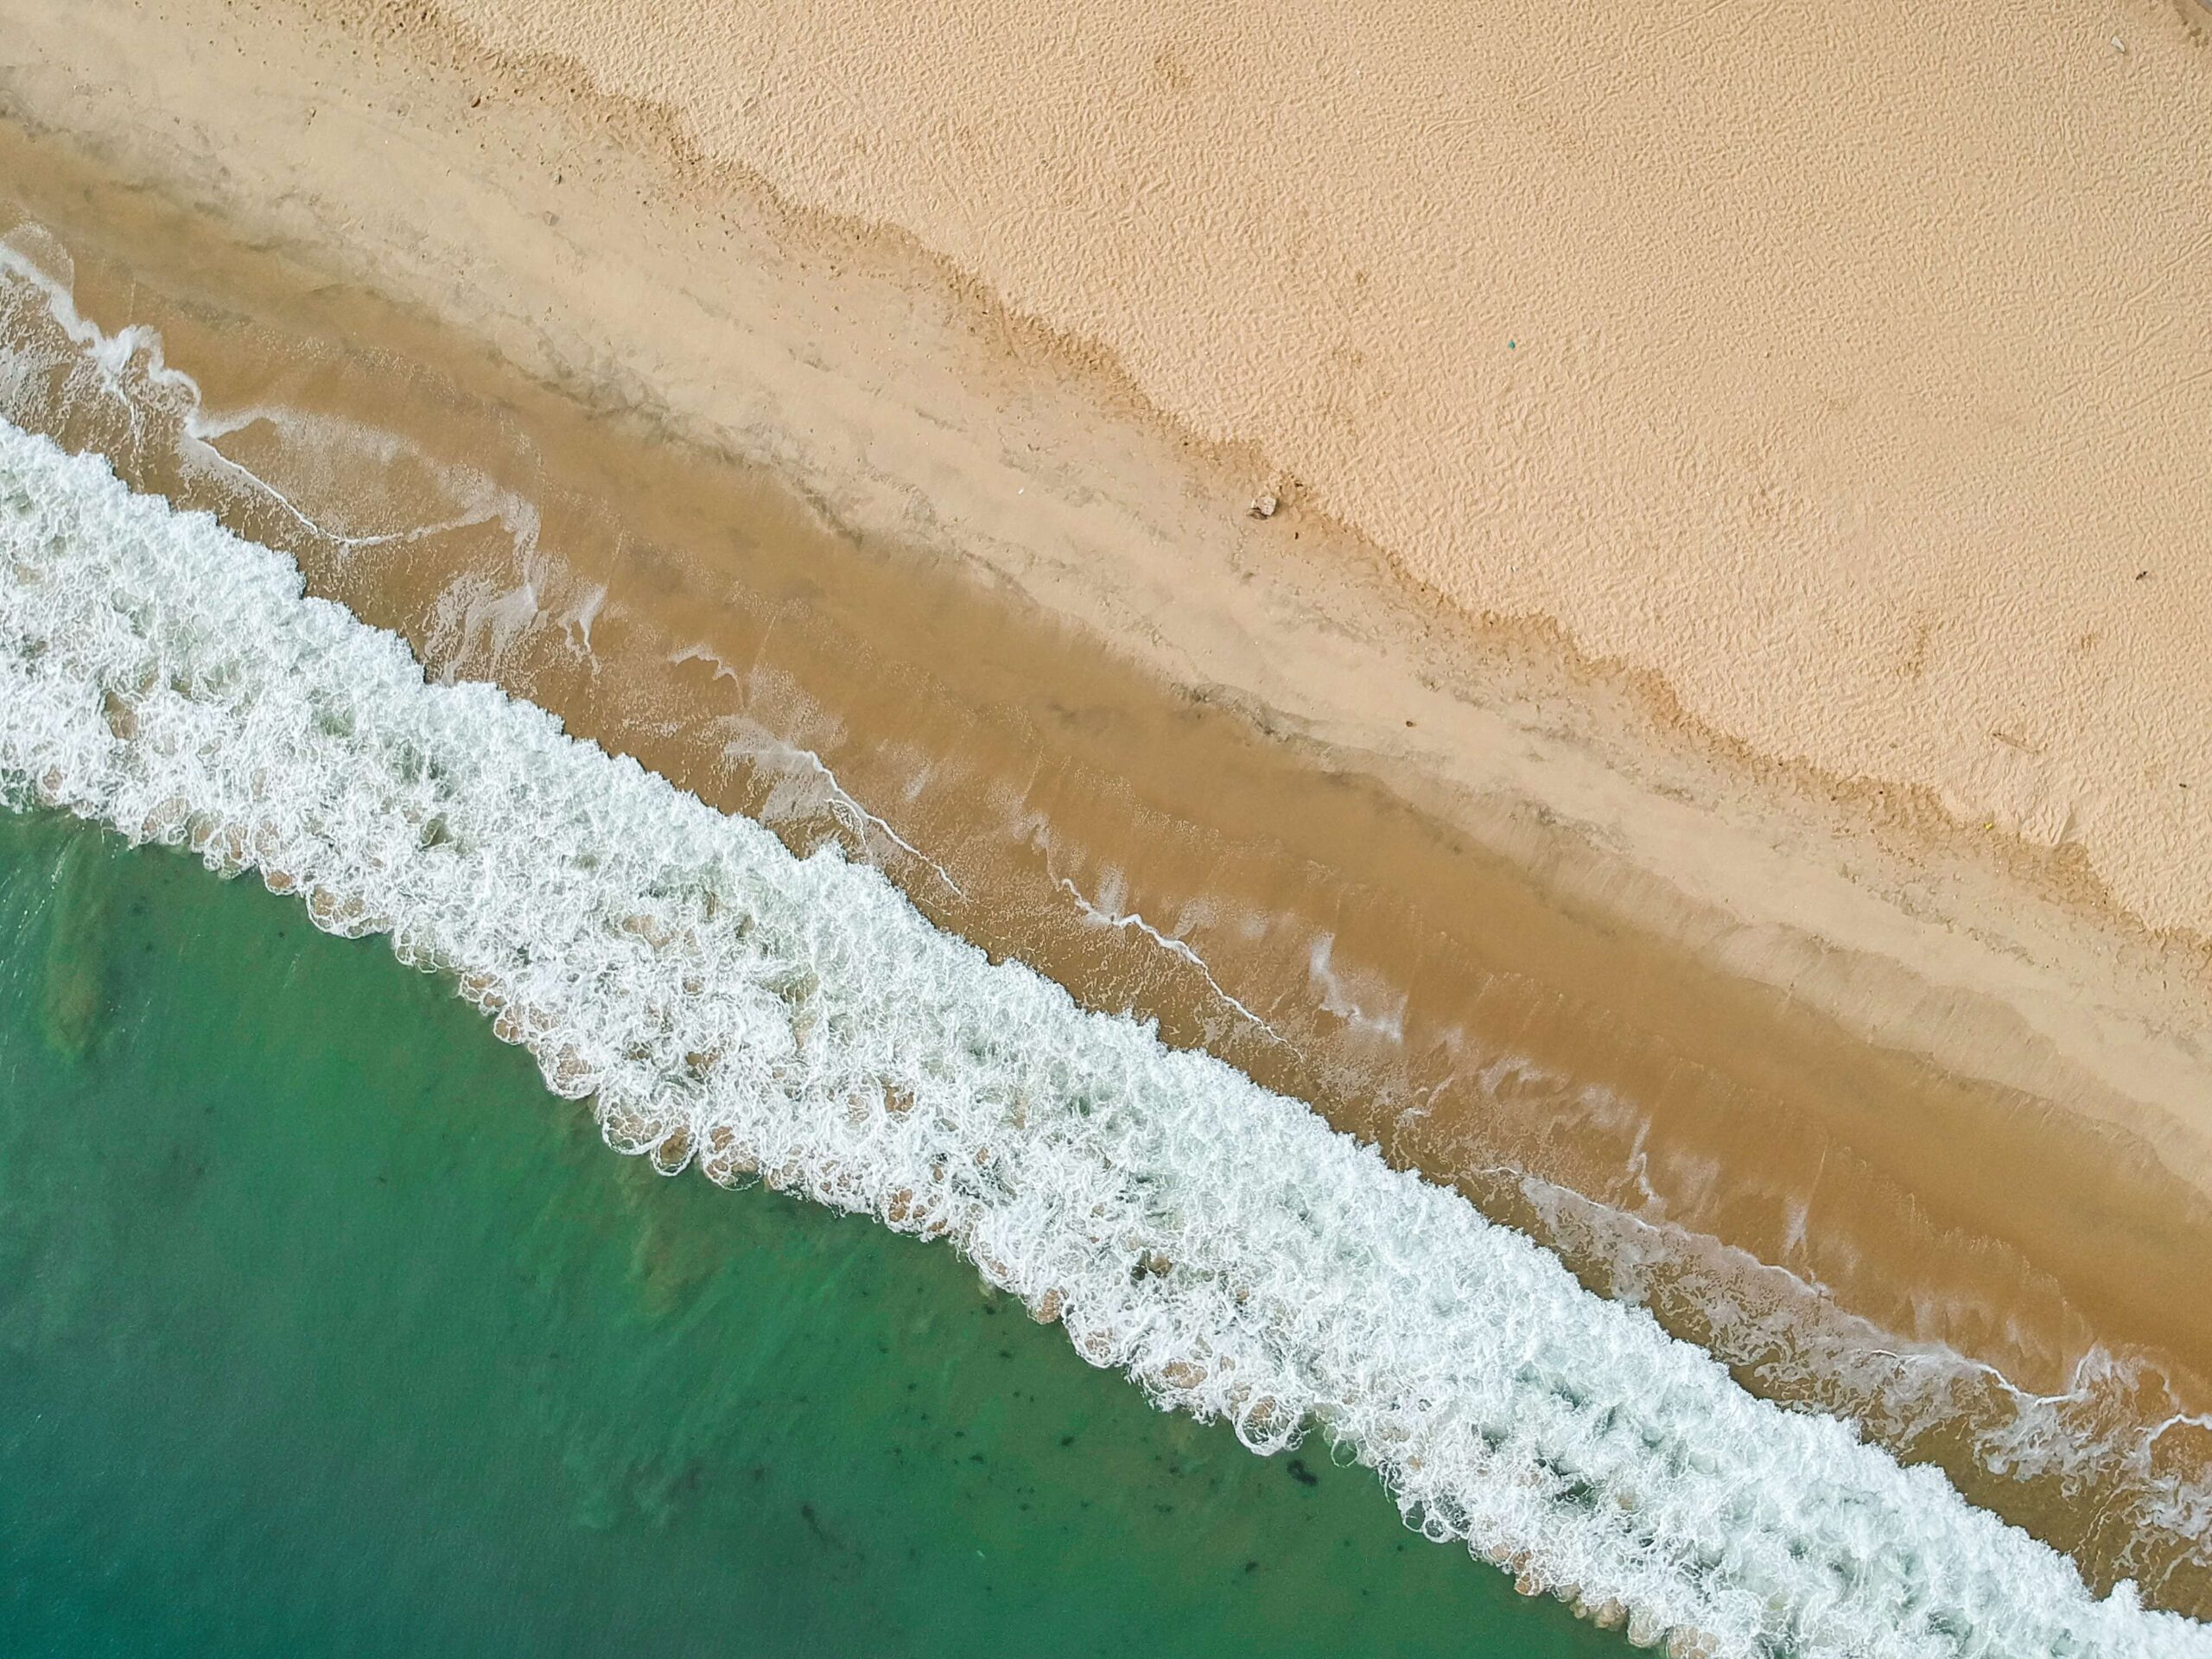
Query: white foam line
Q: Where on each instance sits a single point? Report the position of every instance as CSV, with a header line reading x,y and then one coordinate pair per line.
x,y
1337,999
799,1019
845,796
208,451
701,653
112,354
786,749
2038,1437
1174,947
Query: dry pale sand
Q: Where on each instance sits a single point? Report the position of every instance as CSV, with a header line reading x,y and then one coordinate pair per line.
x,y
1850,367
590,241
1913,1064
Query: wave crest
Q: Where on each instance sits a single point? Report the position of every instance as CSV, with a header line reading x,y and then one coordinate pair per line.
x,y
797,1022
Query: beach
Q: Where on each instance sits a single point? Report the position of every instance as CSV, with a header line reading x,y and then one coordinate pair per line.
x,y
1759,353
1696,939
732,1421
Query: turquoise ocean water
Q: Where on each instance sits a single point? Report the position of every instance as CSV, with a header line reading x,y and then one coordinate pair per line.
x,y
325,1329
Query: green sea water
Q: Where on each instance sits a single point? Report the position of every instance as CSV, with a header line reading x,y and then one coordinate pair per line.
x,y
325,1329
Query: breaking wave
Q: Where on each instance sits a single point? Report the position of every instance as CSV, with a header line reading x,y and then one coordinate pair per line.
x,y
2111,1467
796,1020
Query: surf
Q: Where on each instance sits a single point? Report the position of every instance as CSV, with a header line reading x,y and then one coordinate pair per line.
x,y
796,1021
2093,1447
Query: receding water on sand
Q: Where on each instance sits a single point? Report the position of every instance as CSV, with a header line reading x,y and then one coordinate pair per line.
x,y
727,1001
324,1330
1081,812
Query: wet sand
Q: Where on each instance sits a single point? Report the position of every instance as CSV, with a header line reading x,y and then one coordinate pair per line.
x,y
1448,906
1844,365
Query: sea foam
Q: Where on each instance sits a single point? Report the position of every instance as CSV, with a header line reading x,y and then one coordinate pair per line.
x,y
797,1022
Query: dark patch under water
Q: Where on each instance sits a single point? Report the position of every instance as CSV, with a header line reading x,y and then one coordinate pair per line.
x,y
325,1329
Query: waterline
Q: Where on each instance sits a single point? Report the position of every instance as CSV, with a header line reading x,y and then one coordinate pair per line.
x,y
798,1020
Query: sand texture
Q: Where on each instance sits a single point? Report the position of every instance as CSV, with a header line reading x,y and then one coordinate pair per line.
x,y
1502,910
1847,367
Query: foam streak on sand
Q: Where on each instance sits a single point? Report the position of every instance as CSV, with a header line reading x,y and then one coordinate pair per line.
x,y
796,1019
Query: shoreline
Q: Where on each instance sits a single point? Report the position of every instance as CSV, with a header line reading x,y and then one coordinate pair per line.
x,y
1834,367
1616,877
732,1365
797,1023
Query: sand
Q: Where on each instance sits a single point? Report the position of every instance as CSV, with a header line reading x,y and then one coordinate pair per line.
x,y
1847,366
1939,1072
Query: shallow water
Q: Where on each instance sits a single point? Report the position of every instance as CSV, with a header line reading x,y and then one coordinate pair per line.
x,y
324,1329
1527,1070
796,1017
